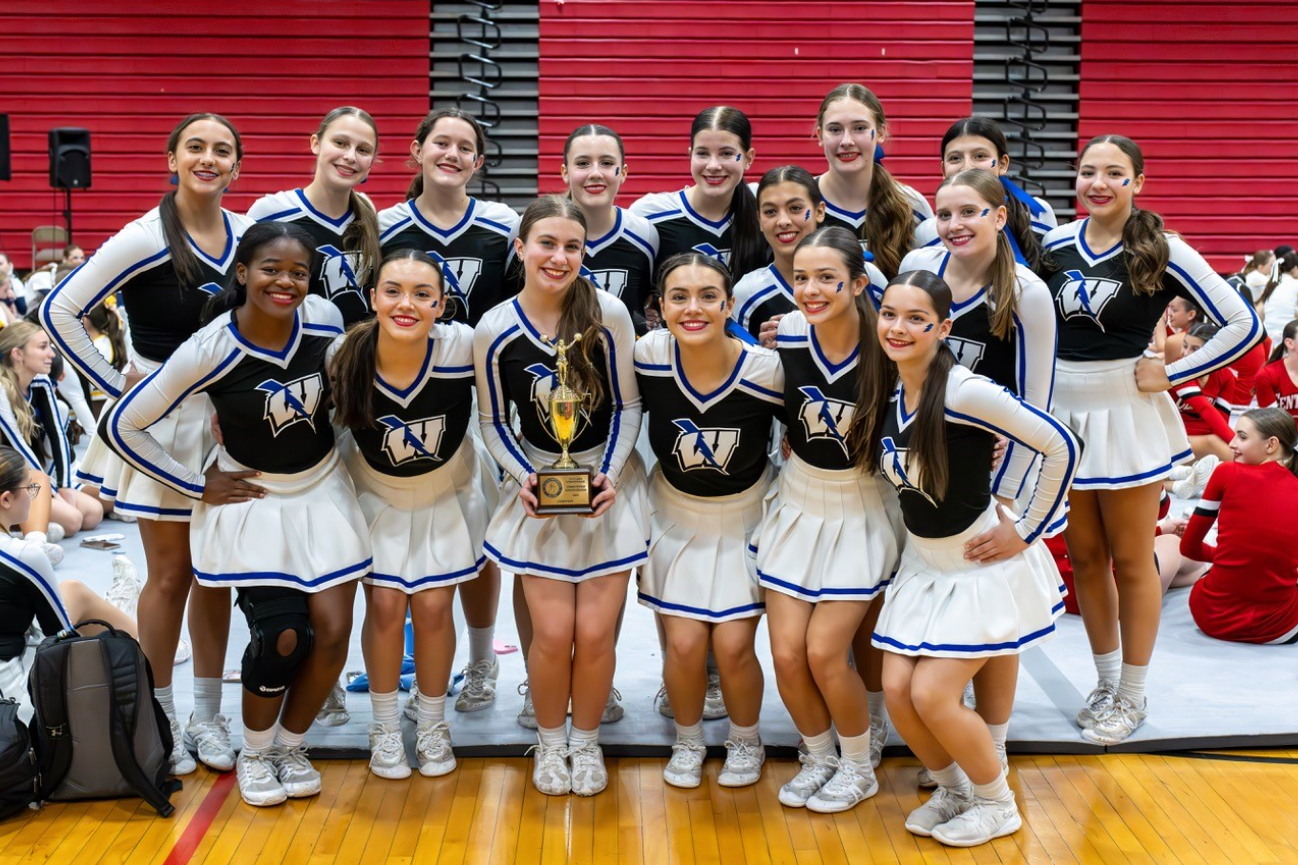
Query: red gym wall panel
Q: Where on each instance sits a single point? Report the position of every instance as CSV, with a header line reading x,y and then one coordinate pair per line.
x,y
130,71
1210,92
646,67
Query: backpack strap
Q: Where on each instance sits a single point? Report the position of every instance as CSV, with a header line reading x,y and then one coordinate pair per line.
x,y
121,659
46,685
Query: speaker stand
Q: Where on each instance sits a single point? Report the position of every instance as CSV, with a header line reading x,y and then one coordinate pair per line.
x,y
67,214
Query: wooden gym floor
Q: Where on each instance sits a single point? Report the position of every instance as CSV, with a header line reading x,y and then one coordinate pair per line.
x,y
1116,808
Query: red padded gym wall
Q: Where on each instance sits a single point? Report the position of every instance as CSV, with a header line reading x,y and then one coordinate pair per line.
x,y
130,71
646,67
1210,92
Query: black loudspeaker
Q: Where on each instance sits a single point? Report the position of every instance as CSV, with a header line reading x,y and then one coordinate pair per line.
x,y
70,158
4,148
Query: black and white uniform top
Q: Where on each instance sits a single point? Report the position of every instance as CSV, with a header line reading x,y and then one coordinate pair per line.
x,y
1025,364
29,591
335,270
622,261
977,410
1101,317
1042,223
819,396
48,451
476,253
681,228
273,406
852,220
423,425
763,294
515,368
712,444
161,312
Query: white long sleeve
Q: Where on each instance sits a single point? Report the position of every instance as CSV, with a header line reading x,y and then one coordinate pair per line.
x,y
624,391
493,402
1035,337
1240,328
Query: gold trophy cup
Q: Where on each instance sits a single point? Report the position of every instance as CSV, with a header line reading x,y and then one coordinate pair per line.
x,y
564,487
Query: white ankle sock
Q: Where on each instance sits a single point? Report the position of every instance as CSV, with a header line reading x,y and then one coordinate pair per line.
x,y
998,790
1000,732
1109,666
878,707
1132,683
952,777
207,698
431,710
256,741
552,737
744,734
166,700
481,646
577,737
288,740
820,745
692,733
385,708
856,748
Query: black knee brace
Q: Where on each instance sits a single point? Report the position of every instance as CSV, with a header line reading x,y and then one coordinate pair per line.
x,y
271,612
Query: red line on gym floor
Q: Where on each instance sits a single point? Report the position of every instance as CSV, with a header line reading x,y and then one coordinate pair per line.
x,y
202,820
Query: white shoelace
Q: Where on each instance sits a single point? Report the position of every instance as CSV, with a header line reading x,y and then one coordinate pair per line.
x,y
743,755
846,776
389,747
434,738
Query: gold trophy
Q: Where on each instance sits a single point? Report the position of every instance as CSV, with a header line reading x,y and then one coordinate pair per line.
x,y
564,487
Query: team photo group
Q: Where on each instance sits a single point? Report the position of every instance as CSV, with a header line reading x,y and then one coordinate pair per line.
x,y
812,402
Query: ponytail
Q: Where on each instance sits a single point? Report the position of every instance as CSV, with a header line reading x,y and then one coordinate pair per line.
x,y
362,238
1019,222
1290,332
889,224
1283,264
183,259
353,370
107,322
1276,423
1147,251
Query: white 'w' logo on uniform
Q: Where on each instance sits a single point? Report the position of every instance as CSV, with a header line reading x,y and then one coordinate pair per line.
x,y
612,281
825,418
338,271
460,274
894,469
420,439
967,351
698,448
1086,297
288,403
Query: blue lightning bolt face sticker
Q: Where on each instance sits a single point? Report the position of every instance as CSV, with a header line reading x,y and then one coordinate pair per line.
x,y
806,216
617,170
986,210
928,327
838,288
871,134
739,158
1127,182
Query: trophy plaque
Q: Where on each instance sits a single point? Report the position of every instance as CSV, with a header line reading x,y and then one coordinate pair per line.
x,y
565,486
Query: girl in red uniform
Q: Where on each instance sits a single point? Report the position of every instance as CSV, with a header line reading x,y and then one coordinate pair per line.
x,y
1277,383
1202,401
1250,594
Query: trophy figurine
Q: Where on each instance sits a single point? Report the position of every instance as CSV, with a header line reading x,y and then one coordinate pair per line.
x,y
564,487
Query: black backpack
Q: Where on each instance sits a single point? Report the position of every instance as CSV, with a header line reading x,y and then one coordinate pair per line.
x,y
98,730
19,782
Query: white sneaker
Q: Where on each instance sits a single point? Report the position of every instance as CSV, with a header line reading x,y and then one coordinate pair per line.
x,y
664,703
969,698
743,765
54,553
411,710
334,711
613,710
295,771
388,752
1180,473
1117,724
1192,487
433,750
982,821
550,772
124,594
55,533
714,705
183,652
527,716
685,768
925,780
182,763
813,775
479,686
878,738
121,517
211,740
258,784
1098,703
588,773
945,804
852,784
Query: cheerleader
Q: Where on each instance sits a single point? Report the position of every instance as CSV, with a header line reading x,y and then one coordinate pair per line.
x,y
1202,401
1112,276
165,265
341,219
711,401
1002,327
1252,280
403,388
620,253
860,194
1248,595
470,238
32,421
292,540
1182,314
1279,301
971,584
1277,383
828,541
978,142
790,208
717,216
574,568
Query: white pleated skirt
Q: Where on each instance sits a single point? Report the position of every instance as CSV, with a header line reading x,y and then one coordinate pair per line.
x,y
941,605
308,533
571,547
699,567
427,530
185,434
828,535
1129,438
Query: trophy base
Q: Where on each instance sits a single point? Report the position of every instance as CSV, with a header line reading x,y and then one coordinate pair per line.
x,y
564,491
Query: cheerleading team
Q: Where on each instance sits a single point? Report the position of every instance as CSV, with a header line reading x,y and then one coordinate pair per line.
x,y
274,511
165,267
